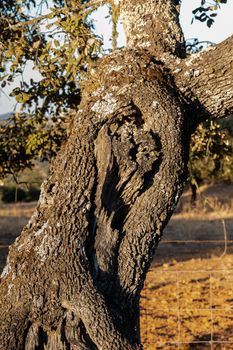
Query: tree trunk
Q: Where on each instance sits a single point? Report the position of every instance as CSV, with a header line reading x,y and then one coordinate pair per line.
x,y
74,276
81,261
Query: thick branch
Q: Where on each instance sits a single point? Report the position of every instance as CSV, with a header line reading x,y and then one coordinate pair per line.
x,y
152,25
206,79
162,188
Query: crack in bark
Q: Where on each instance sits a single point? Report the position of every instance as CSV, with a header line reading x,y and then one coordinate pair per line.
x,y
131,159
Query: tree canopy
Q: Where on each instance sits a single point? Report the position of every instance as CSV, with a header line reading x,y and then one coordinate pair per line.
x,y
58,39
60,45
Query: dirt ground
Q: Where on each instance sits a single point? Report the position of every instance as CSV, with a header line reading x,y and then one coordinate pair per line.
x,y
187,301
13,217
189,305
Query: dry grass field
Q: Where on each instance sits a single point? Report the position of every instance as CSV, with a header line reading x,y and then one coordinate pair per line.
x,y
187,302
13,217
189,305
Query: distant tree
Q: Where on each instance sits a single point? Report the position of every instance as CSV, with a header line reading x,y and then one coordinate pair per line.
x,y
60,45
24,138
211,149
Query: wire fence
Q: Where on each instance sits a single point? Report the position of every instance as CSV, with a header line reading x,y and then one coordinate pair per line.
x,y
209,318
189,308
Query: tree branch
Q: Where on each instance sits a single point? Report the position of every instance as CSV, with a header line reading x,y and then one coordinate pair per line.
x,y
153,25
207,78
83,8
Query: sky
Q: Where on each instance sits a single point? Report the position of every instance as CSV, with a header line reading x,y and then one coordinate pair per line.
x,y
221,29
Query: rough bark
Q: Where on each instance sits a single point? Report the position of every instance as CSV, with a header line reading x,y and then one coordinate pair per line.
x,y
74,276
85,252
143,19
206,79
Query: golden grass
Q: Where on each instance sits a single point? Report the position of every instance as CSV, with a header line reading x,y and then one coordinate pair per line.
x,y
212,202
188,294
212,214
17,209
13,217
188,302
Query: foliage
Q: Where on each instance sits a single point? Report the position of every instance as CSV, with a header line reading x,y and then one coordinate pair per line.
x,y
211,153
207,11
212,143
24,138
61,45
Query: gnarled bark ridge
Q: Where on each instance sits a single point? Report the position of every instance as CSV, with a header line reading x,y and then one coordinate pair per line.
x,y
73,278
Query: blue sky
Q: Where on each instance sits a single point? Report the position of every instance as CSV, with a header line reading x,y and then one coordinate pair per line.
x,y
221,29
